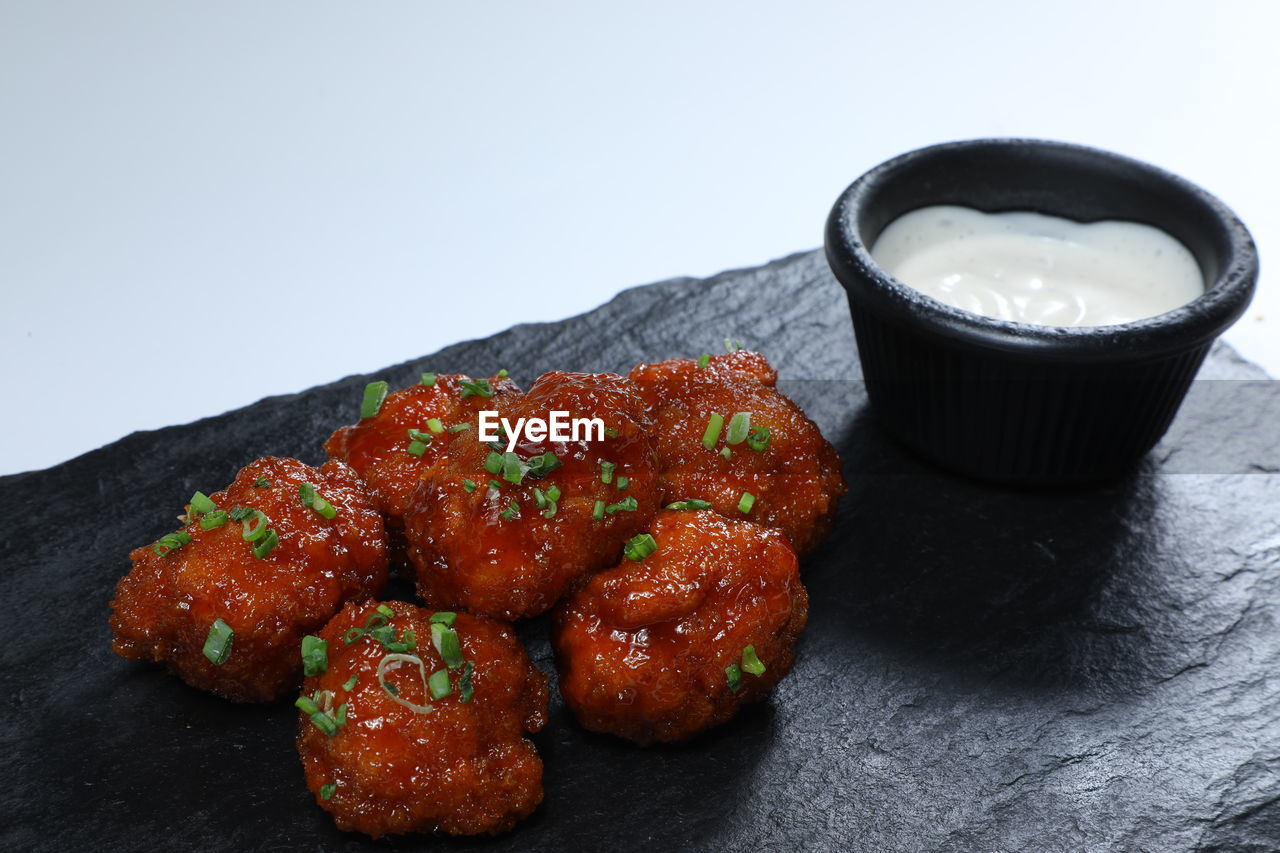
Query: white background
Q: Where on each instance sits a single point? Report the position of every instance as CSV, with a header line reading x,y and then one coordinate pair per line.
x,y
202,204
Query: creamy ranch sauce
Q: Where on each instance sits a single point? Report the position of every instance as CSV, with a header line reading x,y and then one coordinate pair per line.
x,y
1041,269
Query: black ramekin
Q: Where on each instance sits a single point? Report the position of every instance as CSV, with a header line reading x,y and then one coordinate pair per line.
x,y
1016,402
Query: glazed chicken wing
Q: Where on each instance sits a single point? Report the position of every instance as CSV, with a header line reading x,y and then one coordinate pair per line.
x,y
415,722
225,601
504,533
664,647
726,436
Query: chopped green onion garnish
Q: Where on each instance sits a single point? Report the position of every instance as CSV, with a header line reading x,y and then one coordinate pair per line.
x,y
170,542
542,465
475,387
733,675
759,438
751,663
606,471
385,611
512,470
374,394
419,435
623,482
469,485
254,526
745,503
435,426
217,645
327,791
445,639
428,379
639,547
417,448
691,503
539,498
739,426
306,705
262,483
553,495
267,545
493,462
610,432
511,512
627,504
200,503
465,690
502,374
459,427
597,511
438,684
312,499
350,683
324,723
391,688
240,513
444,617
315,655
712,434
726,453
495,485
210,520
732,345
340,716
704,360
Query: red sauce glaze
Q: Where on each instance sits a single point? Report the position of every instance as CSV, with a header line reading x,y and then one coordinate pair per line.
x,y
163,608
378,447
796,480
466,555
642,648
464,768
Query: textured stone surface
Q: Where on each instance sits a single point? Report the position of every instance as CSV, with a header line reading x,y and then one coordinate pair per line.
x,y
984,669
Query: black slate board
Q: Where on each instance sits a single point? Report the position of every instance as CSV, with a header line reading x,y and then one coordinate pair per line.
x,y
984,669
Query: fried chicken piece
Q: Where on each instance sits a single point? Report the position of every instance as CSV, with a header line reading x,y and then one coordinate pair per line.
x,y
379,447
664,648
399,760
228,621
511,551
790,471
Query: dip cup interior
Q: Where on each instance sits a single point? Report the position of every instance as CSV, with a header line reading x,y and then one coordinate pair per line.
x,y
1018,402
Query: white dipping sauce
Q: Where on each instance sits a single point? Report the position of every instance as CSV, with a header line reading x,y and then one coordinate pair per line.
x,y
1034,268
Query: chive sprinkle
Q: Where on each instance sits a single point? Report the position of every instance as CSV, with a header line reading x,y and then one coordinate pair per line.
x,y
511,512
428,379
459,427
374,394
311,499
606,471
327,791
262,483
469,485
704,360
495,485
417,448
731,345
712,434
553,495
438,684
324,723
733,675
597,511
503,374
306,705
200,503
751,663
435,426
739,426
217,644
512,470
240,513
759,438
385,611
445,639
746,502
623,482
542,465
210,520
315,655
419,435
627,504
170,542
267,545
494,462
465,690
350,683
639,547
475,387
726,452
254,526
691,503
443,617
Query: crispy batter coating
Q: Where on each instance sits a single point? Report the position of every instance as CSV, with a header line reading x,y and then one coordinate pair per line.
x,y
642,648
378,447
164,607
796,480
468,555
464,768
